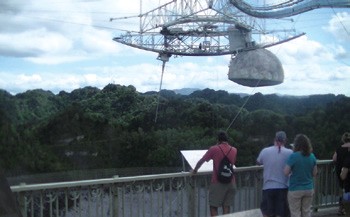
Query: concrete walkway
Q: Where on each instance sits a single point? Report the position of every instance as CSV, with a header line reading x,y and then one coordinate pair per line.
x,y
326,212
249,213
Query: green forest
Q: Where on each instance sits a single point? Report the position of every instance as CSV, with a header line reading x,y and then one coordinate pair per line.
x,y
119,127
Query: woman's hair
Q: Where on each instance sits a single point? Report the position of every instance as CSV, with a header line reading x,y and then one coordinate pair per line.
x,y
346,137
222,136
302,143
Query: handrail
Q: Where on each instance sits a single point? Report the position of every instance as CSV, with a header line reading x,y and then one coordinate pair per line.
x,y
116,179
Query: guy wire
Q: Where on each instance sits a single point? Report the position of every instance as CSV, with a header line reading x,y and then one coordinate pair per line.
x,y
240,110
160,88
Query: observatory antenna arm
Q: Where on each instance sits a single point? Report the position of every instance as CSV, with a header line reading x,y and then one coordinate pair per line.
x,y
287,10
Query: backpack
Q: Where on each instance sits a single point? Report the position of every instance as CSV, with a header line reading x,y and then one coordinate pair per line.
x,y
225,171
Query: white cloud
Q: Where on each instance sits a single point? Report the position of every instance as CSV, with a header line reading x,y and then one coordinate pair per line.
x,y
67,33
304,52
62,30
98,41
25,79
33,43
339,26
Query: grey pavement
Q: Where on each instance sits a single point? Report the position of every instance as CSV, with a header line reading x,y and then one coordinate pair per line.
x,y
249,213
324,212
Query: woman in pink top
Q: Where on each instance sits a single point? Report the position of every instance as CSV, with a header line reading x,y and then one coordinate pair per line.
x,y
220,194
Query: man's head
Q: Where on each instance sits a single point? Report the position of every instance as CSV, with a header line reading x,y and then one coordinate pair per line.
x,y
281,137
346,137
222,136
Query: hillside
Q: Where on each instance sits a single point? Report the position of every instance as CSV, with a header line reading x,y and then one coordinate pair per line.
x,y
117,126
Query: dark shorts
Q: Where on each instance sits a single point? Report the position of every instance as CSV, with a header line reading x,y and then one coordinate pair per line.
x,y
274,202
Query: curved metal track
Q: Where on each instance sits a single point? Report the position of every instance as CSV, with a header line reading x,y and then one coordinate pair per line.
x,y
287,9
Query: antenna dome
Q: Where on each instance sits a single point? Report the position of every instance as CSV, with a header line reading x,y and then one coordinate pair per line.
x,y
256,68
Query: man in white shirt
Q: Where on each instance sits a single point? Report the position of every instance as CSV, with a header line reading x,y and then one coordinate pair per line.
x,y
275,187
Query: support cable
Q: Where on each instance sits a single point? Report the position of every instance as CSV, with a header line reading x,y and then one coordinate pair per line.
x,y
164,58
240,109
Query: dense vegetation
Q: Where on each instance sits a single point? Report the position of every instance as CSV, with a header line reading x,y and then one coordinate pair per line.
x,y
119,127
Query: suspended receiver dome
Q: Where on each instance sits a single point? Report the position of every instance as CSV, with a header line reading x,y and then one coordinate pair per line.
x,y
256,68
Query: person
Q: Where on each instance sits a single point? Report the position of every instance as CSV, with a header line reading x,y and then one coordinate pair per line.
x,y
220,194
344,174
8,203
275,185
345,177
301,168
338,158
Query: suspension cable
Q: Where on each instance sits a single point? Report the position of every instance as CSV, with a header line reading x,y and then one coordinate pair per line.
x,y
240,109
164,58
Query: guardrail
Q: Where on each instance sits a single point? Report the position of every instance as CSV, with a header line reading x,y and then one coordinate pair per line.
x,y
172,194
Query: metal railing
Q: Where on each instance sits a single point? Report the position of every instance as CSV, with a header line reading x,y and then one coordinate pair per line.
x,y
172,194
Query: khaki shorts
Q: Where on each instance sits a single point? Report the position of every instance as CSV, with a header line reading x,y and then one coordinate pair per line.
x,y
300,202
221,194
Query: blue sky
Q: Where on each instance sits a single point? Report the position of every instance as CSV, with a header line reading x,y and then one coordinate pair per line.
x,y
67,44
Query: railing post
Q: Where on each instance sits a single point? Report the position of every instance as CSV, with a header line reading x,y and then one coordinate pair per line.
x,y
192,196
115,202
115,205
22,203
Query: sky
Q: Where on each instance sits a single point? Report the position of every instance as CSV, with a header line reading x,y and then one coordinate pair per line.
x,y
62,45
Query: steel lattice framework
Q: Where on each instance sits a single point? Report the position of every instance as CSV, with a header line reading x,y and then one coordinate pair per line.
x,y
215,27
201,28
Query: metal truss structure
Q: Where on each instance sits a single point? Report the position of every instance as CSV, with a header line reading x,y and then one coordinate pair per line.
x,y
201,28
215,27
